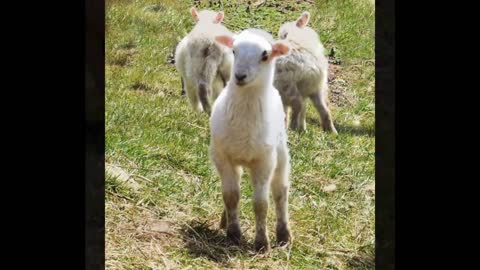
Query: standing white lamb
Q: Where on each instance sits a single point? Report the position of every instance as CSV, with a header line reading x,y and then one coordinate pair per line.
x,y
203,64
303,74
248,130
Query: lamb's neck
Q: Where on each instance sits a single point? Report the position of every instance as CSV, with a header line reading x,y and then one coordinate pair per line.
x,y
258,90
249,94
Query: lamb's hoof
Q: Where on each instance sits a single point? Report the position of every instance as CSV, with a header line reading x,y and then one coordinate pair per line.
x,y
198,109
234,234
261,245
331,130
284,236
298,128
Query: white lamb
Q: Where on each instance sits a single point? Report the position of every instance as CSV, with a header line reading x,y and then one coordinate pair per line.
x,y
303,74
248,130
203,64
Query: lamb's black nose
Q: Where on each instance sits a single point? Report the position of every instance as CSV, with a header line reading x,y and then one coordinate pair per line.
x,y
240,77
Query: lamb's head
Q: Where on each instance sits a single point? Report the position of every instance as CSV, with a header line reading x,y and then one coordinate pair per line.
x,y
254,57
207,15
295,27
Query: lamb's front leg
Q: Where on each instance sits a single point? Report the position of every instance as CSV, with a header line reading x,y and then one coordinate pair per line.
x,y
230,176
280,187
261,177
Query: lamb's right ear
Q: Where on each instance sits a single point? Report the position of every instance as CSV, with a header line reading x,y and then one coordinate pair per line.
x,y
219,17
225,40
303,19
194,13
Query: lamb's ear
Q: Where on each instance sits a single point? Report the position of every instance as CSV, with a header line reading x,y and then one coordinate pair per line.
x,y
219,17
303,19
194,13
280,49
225,40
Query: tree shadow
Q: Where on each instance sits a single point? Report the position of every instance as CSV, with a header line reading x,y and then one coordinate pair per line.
x,y
202,241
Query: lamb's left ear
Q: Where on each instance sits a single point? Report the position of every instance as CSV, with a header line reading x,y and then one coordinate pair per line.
x,y
219,17
303,19
280,49
225,40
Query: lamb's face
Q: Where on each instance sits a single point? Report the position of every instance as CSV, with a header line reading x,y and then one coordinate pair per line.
x,y
253,56
251,59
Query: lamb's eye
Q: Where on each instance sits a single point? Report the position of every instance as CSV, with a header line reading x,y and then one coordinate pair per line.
x,y
233,52
284,36
264,56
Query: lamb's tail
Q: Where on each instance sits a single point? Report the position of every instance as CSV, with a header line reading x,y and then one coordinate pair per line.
x,y
206,57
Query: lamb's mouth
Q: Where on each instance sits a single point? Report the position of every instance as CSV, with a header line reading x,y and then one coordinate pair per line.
x,y
241,83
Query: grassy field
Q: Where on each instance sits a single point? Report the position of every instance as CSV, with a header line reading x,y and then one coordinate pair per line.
x,y
163,196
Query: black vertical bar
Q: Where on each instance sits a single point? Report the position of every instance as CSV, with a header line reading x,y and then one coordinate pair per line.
x,y
95,135
385,134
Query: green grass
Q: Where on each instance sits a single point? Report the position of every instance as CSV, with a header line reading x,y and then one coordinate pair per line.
x,y
163,211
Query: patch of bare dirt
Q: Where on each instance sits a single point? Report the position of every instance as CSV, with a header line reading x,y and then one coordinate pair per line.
x,y
135,232
122,56
338,87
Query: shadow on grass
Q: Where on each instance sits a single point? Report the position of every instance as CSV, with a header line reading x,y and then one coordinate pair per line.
x,y
202,241
356,131
352,130
362,261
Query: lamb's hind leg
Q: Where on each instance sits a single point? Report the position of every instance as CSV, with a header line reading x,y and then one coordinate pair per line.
x,y
325,115
280,188
302,116
286,109
319,101
192,95
217,87
204,93
183,87
297,102
299,107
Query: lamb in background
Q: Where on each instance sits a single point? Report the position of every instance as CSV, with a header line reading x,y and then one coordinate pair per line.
x,y
248,130
303,74
203,64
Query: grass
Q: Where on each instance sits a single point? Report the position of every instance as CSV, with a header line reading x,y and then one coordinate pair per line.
x,y
163,199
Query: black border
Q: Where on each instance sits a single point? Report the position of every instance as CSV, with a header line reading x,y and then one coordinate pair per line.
x,y
95,134
95,137
385,134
